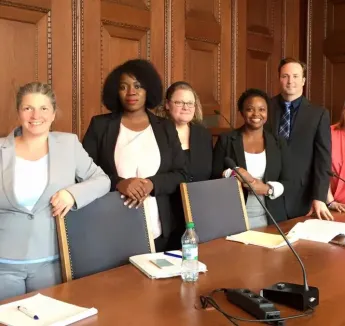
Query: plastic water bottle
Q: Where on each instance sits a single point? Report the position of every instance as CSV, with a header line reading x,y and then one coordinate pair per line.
x,y
190,265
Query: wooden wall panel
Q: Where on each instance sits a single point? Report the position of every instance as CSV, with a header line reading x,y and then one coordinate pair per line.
x,y
62,67
264,32
326,55
200,43
221,47
27,54
18,65
116,31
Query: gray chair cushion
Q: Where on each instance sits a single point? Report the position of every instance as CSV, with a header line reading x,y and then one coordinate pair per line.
x,y
104,234
216,208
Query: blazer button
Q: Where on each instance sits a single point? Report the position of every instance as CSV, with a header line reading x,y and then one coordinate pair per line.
x,y
191,179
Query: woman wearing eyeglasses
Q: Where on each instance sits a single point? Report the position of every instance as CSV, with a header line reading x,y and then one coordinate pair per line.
x,y
140,152
182,106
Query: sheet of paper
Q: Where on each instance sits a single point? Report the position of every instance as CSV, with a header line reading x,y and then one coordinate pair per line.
x,y
317,230
261,239
50,312
143,263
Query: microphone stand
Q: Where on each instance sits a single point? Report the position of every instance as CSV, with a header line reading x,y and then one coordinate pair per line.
x,y
333,174
223,116
298,296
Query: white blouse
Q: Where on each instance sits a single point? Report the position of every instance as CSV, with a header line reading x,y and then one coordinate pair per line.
x,y
30,180
256,166
137,155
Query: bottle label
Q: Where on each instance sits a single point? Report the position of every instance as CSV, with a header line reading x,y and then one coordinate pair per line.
x,y
189,252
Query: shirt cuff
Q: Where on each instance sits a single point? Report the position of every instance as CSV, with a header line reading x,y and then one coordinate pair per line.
x,y
278,189
228,173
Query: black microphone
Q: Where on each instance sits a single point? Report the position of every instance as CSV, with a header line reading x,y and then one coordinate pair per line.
x,y
298,296
223,116
333,174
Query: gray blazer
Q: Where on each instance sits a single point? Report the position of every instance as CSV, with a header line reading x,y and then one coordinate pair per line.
x,y
32,234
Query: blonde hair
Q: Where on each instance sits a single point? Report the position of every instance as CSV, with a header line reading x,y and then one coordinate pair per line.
x,y
34,88
163,112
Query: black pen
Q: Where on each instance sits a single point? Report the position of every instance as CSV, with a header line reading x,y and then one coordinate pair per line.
x,y
27,312
172,255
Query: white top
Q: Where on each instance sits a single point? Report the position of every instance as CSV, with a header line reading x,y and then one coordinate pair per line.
x,y
137,155
256,166
30,180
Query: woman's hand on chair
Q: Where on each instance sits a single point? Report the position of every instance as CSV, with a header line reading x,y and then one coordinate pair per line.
x,y
133,188
259,187
131,202
246,175
62,202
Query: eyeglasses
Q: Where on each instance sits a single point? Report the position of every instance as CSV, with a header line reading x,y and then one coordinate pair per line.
x,y
180,104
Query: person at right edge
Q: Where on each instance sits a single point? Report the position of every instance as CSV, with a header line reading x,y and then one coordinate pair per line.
x,y
306,127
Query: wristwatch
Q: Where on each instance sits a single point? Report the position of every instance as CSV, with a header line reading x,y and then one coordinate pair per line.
x,y
270,190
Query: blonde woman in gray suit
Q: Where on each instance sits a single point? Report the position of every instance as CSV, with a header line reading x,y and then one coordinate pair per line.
x,y
43,175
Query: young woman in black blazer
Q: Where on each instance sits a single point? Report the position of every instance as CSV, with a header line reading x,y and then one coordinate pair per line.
x,y
140,152
261,156
183,107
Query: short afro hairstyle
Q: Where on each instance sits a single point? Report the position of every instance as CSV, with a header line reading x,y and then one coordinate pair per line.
x,y
252,92
144,72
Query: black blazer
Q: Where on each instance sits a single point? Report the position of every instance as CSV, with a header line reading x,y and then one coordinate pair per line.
x,y
100,140
200,153
309,154
199,166
230,144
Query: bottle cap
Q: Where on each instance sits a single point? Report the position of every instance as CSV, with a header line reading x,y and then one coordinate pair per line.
x,y
190,225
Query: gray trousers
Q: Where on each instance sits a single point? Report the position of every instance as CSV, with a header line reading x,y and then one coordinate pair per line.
x,y
18,279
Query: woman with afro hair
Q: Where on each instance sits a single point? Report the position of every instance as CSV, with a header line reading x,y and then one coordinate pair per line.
x,y
140,152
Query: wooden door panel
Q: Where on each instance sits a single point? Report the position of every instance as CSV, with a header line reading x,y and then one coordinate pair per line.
x,y
326,55
264,31
24,55
31,52
116,31
200,53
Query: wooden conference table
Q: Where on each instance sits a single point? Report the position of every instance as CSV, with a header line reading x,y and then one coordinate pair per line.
x,y
124,296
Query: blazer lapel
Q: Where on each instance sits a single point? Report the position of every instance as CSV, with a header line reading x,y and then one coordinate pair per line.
x,y
56,150
276,114
8,165
300,121
193,143
270,155
111,136
8,169
237,144
158,132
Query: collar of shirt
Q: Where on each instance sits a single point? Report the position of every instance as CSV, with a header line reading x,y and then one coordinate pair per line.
x,y
295,103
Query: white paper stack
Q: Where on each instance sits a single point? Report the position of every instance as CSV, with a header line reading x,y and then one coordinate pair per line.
x,y
50,312
144,264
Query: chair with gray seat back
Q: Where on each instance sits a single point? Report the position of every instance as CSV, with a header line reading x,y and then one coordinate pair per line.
x,y
101,236
216,207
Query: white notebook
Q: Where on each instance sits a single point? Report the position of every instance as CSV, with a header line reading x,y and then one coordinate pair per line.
x,y
50,312
144,264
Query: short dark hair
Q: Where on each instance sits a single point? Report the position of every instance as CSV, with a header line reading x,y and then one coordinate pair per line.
x,y
287,60
251,92
144,72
